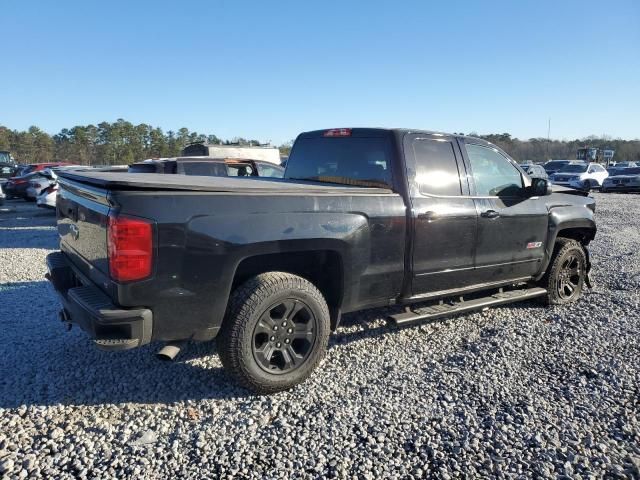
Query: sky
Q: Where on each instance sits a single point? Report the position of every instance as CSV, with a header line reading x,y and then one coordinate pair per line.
x,y
268,70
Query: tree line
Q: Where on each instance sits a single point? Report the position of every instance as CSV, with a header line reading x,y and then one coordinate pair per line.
x,y
117,143
541,149
122,142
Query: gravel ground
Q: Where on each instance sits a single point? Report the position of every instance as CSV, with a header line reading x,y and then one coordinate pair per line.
x,y
519,391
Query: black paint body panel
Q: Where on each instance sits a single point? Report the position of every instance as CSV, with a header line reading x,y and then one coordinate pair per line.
x,y
205,227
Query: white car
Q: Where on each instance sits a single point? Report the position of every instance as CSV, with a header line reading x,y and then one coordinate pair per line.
x,y
47,199
583,176
38,183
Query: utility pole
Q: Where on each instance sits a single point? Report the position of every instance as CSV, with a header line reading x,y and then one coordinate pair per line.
x,y
548,137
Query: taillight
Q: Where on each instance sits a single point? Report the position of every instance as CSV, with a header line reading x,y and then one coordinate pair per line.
x,y
130,248
338,132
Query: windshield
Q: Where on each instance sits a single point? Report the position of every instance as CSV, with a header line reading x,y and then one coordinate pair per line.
x,y
358,161
5,157
555,164
628,171
574,168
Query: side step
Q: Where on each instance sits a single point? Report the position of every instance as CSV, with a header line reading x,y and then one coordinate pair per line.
x,y
444,309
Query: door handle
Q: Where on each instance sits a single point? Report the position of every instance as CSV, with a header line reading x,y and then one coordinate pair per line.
x,y
490,214
429,216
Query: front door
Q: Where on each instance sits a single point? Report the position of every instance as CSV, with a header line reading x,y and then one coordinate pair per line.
x,y
443,214
512,226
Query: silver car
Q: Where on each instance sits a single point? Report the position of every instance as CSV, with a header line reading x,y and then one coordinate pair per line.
x,y
626,180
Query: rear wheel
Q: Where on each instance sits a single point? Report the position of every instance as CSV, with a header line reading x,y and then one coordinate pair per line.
x,y
275,332
586,185
566,272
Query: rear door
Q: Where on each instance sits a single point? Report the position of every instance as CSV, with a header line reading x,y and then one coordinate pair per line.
x,y
512,227
443,214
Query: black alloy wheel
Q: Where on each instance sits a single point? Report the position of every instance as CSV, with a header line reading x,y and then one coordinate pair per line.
x,y
284,336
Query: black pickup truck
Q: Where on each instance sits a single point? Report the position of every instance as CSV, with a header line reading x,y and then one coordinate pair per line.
x,y
437,223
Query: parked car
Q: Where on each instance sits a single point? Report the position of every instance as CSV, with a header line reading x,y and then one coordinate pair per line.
x,y
585,176
47,197
626,164
263,153
535,171
628,180
48,190
553,166
8,170
16,187
38,183
364,218
37,167
209,166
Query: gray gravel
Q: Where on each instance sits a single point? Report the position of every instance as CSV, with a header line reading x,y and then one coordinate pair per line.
x,y
521,391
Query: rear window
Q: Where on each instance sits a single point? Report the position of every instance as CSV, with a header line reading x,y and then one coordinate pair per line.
x,y
205,169
142,168
360,161
628,171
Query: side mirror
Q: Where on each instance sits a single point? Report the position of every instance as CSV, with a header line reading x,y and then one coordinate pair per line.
x,y
539,187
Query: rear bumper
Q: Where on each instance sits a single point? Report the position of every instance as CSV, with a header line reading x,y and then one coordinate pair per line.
x,y
111,327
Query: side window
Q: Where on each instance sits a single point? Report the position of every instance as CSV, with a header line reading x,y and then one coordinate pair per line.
x,y
493,174
239,170
436,167
270,171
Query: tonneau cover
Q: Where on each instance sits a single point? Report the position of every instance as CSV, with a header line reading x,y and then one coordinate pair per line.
x,y
159,181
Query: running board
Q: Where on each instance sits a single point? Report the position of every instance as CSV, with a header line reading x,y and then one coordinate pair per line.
x,y
462,306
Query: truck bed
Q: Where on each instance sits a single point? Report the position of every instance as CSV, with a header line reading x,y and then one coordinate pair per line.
x,y
156,181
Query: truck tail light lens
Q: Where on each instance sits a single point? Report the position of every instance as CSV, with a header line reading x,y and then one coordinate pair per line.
x,y
130,248
338,132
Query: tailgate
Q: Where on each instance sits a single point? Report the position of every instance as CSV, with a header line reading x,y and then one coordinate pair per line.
x,y
83,213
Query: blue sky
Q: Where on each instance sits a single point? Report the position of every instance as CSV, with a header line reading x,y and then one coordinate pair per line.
x,y
269,70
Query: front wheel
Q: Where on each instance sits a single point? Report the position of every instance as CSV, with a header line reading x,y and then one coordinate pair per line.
x,y
275,332
565,276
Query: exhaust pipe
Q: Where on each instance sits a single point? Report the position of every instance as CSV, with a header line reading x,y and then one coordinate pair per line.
x,y
170,351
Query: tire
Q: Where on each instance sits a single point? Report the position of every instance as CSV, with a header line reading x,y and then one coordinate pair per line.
x,y
565,276
586,185
267,359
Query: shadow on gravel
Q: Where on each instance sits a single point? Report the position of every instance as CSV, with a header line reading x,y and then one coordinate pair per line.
x,y
43,364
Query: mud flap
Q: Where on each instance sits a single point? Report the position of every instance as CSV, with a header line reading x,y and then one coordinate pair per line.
x,y
588,279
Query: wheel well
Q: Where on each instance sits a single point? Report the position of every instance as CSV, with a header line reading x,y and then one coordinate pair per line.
x,y
322,268
582,235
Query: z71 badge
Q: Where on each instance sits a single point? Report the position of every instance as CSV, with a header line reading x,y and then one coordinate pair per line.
x,y
534,245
